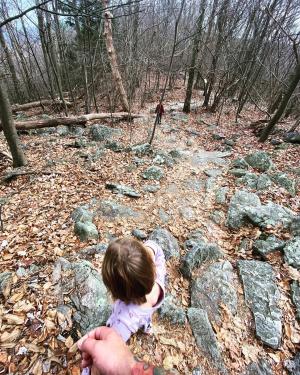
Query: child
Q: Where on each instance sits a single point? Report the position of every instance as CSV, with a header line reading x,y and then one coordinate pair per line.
x,y
159,110
134,273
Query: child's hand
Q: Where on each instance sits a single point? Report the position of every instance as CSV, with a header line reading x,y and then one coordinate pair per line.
x,y
105,350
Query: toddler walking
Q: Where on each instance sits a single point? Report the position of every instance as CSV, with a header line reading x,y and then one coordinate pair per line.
x,y
134,273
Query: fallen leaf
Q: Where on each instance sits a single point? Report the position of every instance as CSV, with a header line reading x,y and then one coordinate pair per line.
x,y
14,319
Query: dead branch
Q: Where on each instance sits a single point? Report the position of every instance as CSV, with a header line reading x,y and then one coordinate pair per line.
x,y
41,103
14,173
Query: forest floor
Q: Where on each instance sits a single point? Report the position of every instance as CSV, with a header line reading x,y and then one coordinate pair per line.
x,y
38,229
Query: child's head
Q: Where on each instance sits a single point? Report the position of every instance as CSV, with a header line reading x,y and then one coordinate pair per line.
x,y
128,270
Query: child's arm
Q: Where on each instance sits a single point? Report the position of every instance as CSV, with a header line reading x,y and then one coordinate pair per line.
x,y
159,260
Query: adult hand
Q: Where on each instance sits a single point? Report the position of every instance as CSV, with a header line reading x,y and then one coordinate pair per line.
x,y
105,350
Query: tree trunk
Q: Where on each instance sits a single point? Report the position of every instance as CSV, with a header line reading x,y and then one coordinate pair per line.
x,y
286,97
73,120
10,130
41,103
189,89
113,57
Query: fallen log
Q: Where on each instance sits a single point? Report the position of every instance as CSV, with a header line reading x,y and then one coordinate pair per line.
x,y
40,103
73,120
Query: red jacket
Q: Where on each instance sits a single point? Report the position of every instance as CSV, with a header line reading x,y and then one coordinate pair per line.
x,y
160,109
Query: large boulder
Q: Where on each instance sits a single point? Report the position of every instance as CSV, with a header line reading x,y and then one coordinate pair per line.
x,y
82,214
198,253
262,367
295,226
295,292
166,241
103,133
83,285
153,173
270,215
141,149
239,206
86,231
257,182
259,160
239,163
262,297
169,310
215,288
205,338
292,252
265,246
292,137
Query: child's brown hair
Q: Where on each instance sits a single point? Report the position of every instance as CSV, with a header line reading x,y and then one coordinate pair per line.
x,y
128,270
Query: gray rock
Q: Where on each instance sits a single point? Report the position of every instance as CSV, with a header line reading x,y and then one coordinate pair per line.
x,y
189,143
218,137
153,173
292,252
63,130
142,149
80,143
21,272
281,179
122,189
187,213
194,184
261,368
263,182
244,245
167,241
270,215
176,154
164,216
138,161
169,310
162,157
205,157
259,160
210,184
5,282
78,130
151,188
84,286
239,163
256,182
229,142
293,365
221,195
213,172
217,216
198,253
195,235
179,116
267,245
82,214
292,137
213,289
112,209
139,234
205,338
103,133
262,297
86,231
238,172
197,371
91,251
114,146
295,226
238,207
295,292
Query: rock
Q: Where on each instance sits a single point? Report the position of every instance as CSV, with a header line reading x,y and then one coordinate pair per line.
x,y
112,209
197,371
163,157
151,188
270,215
170,311
263,182
259,160
238,172
103,133
268,245
198,253
63,130
21,272
217,216
275,142
295,292
239,163
82,283
261,368
218,137
82,214
142,149
80,143
189,143
282,146
293,365
205,338
292,252
164,216
244,245
167,242
249,179
205,157
176,154
292,137
195,235
78,130
213,172
6,279
221,195
187,213
139,234
213,289
194,184
153,173
262,297
281,179
179,116
239,204
86,231
295,226
138,161
122,189
229,142
210,184
114,146
91,251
